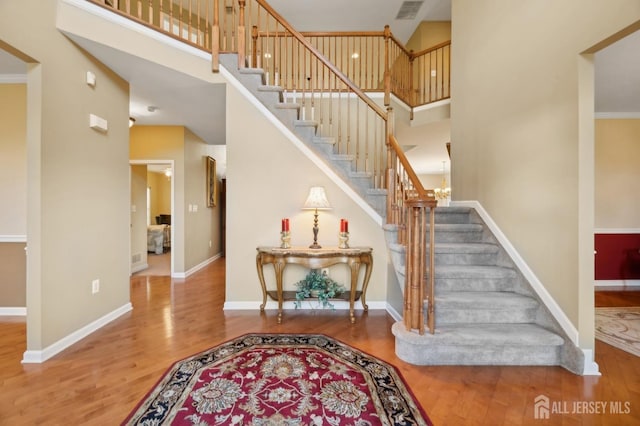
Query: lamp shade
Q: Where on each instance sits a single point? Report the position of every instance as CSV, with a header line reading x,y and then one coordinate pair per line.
x,y
317,199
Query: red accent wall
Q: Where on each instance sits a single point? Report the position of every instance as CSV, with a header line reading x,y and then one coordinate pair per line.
x,y
617,256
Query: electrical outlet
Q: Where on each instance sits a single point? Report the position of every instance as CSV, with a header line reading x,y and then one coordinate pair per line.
x,y
95,286
325,271
210,245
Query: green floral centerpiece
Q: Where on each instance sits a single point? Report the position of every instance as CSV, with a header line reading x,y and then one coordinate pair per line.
x,y
319,285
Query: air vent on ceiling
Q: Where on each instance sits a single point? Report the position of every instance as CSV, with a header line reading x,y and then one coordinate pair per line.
x,y
409,9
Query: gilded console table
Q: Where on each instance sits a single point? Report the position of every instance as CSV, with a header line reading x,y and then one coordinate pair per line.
x,y
314,259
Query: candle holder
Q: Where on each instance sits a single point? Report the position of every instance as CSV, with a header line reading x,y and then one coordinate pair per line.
x,y
343,240
285,237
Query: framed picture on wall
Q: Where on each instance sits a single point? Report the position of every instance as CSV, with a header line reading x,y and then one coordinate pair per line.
x,y
212,188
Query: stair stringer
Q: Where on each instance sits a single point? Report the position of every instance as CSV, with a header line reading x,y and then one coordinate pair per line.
x,y
297,141
465,345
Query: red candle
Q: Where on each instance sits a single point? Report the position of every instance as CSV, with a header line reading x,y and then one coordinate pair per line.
x,y
344,225
285,225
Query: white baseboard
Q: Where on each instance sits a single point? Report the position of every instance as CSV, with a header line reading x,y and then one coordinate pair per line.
x,y
591,368
36,357
394,314
197,267
138,268
536,284
13,238
13,312
617,284
339,305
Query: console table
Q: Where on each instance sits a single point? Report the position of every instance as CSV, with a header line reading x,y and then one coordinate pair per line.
x,y
314,259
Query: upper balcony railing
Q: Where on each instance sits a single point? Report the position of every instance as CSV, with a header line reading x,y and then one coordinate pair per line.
x,y
326,75
416,78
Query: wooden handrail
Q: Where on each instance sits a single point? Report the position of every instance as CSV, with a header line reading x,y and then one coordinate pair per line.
x,y
431,49
421,192
322,58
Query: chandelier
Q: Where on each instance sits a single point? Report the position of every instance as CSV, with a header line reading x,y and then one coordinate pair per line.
x,y
444,191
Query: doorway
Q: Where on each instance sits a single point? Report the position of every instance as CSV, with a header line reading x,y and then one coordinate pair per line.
x,y
152,210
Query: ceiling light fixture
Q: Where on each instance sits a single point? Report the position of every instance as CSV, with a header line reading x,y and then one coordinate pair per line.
x,y
444,191
132,121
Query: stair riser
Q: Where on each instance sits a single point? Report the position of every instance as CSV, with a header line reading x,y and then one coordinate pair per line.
x,y
326,148
287,116
443,354
268,98
473,284
465,259
305,132
486,316
451,218
378,202
344,165
457,237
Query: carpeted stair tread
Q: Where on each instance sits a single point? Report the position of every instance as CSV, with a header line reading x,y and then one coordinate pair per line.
x,y
269,88
485,335
287,105
473,271
495,300
457,227
465,248
250,71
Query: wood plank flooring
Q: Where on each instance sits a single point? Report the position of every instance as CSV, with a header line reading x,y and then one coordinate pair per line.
x,y
100,379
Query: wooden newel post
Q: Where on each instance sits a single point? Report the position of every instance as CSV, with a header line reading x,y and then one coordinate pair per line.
x,y
241,35
215,37
417,285
387,69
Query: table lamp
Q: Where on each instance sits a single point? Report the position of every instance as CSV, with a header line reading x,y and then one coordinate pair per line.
x,y
317,200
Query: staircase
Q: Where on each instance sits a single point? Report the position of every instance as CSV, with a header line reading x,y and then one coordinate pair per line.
x,y
486,312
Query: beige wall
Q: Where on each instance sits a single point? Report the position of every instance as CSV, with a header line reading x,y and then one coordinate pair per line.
x,y
78,192
429,34
202,227
13,274
160,194
517,137
13,159
617,174
270,180
13,193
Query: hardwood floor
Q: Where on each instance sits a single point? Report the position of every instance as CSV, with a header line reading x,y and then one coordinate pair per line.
x,y
100,379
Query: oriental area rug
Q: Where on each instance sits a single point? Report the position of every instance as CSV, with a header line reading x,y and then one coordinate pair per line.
x,y
280,379
619,327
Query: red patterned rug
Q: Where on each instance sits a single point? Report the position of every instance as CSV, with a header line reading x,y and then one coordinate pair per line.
x,y
280,379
